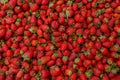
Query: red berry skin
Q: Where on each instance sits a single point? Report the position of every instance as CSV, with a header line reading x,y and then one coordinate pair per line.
x,y
105,77
78,18
44,2
55,71
25,7
80,40
12,3
2,33
2,77
20,31
107,44
94,78
20,74
8,34
97,72
9,53
100,66
118,63
44,27
45,73
73,76
38,1
83,77
54,24
104,28
34,7
64,46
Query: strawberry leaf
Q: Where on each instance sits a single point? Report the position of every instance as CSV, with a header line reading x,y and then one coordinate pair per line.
x,y
3,1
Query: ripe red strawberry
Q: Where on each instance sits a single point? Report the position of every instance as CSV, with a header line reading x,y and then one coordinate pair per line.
x,y
107,44
2,33
94,78
8,34
34,7
44,59
9,53
105,77
45,2
80,40
79,18
20,74
45,28
55,71
45,73
54,25
104,28
83,77
20,31
64,46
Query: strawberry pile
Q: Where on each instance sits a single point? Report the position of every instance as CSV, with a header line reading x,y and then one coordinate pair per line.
x,y
59,39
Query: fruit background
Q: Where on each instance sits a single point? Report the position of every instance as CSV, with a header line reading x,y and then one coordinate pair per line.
x,y
59,39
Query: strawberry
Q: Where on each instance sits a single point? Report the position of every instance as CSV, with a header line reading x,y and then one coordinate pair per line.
x,y
83,77
104,28
2,33
54,25
79,18
8,34
20,74
44,59
34,7
64,46
45,73
20,30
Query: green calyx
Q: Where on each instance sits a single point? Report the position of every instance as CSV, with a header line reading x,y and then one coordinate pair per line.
x,y
70,2
25,58
80,5
67,13
55,54
52,47
2,43
115,70
76,60
3,1
21,52
86,53
39,62
74,66
89,73
28,43
37,76
109,61
18,20
32,30
52,39
37,14
89,0
65,58
69,73
108,69
12,48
